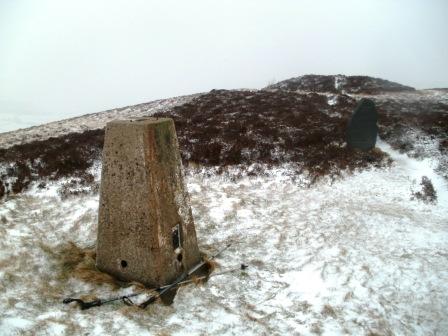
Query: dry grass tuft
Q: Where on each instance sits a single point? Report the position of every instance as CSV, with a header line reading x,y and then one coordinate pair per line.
x,y
316,328
201,275
328,311
79,263
197,280
210,265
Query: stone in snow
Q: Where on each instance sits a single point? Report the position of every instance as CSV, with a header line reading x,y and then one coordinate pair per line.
x,y
362,128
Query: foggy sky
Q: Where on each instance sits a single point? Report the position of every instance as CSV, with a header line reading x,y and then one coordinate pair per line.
x,y
65,58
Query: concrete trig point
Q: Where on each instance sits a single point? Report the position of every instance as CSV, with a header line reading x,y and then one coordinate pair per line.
x,y
145,226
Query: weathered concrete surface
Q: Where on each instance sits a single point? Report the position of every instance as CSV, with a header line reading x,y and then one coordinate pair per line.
x,y
362,129
142,199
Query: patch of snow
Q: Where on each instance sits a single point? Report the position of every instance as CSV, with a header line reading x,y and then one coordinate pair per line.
x,y
332,99
13,325
339,80
417,168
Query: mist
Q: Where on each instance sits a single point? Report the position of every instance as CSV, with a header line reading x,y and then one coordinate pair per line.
x,y
63,59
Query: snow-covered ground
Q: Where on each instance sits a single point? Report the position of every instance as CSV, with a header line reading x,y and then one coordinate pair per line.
x,y
354,256
89,121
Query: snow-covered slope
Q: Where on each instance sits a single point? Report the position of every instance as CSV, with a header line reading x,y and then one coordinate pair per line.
x,y
88,122
337,242
358,256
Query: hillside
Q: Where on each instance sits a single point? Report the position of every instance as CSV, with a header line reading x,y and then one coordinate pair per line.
x,y
222,127
337,241
340,84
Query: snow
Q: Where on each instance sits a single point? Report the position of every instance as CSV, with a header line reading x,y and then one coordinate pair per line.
x,y
353,256
332,99
89,121
416,169
12,324
339,81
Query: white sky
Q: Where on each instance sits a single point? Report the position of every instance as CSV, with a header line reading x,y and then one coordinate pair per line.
x,y
65,58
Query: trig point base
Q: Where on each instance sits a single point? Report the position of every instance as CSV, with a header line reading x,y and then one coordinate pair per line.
x,y
145,226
